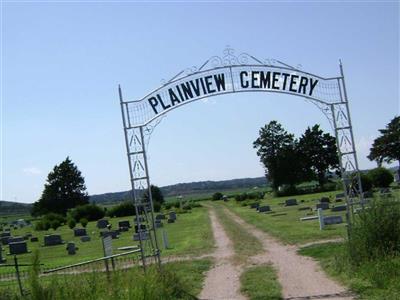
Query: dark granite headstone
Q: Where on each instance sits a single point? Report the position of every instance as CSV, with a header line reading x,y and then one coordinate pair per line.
x,y
339,208
160,217
172,215
124,224
85,238
79,232
123,229
101,224
290,202
15,239
171,221
5,234
330,220
112,233
34,239
4,240
18,247
324,200
323,205
52,239
142,227
71,248
264,208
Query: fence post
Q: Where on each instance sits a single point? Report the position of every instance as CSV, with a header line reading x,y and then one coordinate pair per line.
x,y
18,275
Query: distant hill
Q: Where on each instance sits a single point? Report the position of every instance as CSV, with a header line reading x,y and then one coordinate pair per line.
x,y
191,188
14,208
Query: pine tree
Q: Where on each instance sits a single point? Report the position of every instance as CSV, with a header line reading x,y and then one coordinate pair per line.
x,y
65,188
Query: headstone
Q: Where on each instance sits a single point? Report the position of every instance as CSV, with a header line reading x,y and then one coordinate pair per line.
x,y
15,239
85,238
171,221
338,200
290,202
71,248
4,240
323,205
79,232
112,233
172,215
324,200
142,227
339,208
165,240
264,208
5,234
321,219
34,239
255,205
107,245
18,247
304,208
124,224
144,235
7,229
330,220
52,239
160,217
101,224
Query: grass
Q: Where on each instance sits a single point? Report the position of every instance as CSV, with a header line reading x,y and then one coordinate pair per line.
x,y
377,279
260,283
179,280
244,244
190,235
288,227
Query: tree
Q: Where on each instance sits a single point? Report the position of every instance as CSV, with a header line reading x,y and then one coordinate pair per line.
x,y
270,144
217,196
65,188
387,146
156,194
381,177
319,153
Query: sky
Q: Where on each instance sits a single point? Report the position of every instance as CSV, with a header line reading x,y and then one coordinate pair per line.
x,y
61,64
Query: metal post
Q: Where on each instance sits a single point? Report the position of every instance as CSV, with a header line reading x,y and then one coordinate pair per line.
x,y
135,200
157,254
18,275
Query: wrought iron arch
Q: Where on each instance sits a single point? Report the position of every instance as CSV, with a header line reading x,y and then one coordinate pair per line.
x,y
221,75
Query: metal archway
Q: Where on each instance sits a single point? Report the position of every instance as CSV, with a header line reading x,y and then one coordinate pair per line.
x,y
227,74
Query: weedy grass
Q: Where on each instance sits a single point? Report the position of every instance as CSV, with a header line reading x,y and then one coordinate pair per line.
x,y
261,283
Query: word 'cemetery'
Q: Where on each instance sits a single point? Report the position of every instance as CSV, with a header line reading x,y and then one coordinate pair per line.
x,y
220,83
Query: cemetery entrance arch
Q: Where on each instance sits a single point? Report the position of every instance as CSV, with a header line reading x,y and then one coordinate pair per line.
x,y
220,75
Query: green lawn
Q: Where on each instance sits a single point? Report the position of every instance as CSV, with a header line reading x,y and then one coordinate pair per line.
x,y
179,280
288,227
372,280
191,234
260,283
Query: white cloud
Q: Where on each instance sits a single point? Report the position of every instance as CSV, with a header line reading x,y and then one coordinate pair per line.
x,y
32,171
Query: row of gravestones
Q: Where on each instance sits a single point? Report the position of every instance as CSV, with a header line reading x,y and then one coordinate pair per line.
x,y
324,204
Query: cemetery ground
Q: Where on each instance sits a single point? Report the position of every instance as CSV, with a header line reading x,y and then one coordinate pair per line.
x,y
241,246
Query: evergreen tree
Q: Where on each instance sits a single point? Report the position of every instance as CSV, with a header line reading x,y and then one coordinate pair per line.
x,y
65,188
156,195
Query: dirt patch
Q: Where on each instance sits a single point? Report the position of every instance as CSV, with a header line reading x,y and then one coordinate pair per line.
x,y
222,281
300,277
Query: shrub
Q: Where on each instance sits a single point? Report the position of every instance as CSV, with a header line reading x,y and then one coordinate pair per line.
x,y
381,177
122,210
55,224
50,220
217,196
157,206
91,212
376,232
84,222
187,206
71,223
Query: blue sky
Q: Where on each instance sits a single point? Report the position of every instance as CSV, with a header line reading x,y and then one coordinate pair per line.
x,y
62,62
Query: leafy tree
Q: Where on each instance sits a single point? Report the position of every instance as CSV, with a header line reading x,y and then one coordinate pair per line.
x,y
156,194
217,196
318,151
71,223
381,177
92,212
84,222
272,140
122,210
65,189
386,148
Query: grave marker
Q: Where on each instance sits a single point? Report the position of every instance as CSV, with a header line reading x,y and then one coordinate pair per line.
x,y
101,224
79,232
71,248
339,208
52,240
330,220
18,247
291,202
264,208
322,205
85,238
